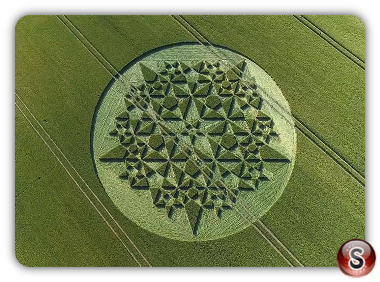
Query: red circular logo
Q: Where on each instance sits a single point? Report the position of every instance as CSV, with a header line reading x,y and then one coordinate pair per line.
x,y
356,258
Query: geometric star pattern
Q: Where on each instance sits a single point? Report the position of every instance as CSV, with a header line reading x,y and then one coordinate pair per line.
x,y
215,133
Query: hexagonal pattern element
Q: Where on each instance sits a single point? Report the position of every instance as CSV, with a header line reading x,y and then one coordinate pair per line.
x,y
192,143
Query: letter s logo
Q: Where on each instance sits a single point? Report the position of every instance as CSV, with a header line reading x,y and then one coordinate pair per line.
x,y
356,261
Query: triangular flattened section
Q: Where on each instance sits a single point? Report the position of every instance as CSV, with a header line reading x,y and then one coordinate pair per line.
x,y
200,154
262,116
200,106
170,102
139,141
163,168
227,105
162,78
154,157
245,186
149,74
177,173
256,103
198,66
241,66
192,86
180,91
218,128
134,124
154,192
147,169
181,156
156,106
225,92
237,129
185,68
245,141
113,132
186,183
167,185
170,144
252,158
241,102
250,124
213,101
141,184
219,78
202,90
237,115
212,114
237,169
170,115
203,78
123,116
228,156
269,154
246,175
145,116
156,141
214,145
222,169
265,175
148,128
128,104
235,112
193,211
116,154
233,75
179,79
183,106
191,168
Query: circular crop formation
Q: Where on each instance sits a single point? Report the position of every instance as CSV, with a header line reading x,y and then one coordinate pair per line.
x,y
193,142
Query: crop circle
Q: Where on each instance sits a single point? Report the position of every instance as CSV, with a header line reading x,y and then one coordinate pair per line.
x,y
193,142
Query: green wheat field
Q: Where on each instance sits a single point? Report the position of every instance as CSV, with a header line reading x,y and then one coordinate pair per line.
x,y
103,179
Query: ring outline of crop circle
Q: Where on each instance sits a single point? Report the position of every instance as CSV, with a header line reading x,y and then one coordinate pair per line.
x,y
141,58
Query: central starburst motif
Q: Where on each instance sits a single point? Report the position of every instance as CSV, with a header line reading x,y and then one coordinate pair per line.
x,y
194,135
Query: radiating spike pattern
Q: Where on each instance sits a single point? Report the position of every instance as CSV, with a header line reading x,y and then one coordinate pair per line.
x,y
189,129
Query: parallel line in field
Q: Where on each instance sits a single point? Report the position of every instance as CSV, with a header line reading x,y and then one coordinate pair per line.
x,y
257,223
301,126
76,183
309,134
76,32
329,39
94,52
101,59
74,173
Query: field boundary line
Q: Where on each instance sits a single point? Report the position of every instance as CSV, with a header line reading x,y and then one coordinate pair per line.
x,y
77,184
341,161
84,182
329,39
114,69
